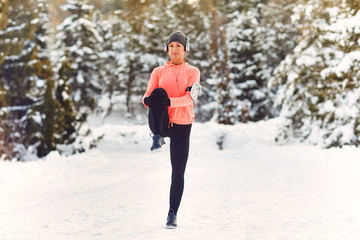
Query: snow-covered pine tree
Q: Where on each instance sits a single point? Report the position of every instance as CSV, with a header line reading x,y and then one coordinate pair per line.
x,y
31,115
278,39
53,127
44,113
79,45
134,60
160,22
321,96
16,78
114,67
17,47
248,61
67,116
279,34
107,61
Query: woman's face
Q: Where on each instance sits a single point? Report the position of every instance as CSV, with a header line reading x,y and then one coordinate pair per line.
x,y
176,51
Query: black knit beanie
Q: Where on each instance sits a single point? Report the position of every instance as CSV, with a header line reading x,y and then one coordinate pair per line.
x,y
176,37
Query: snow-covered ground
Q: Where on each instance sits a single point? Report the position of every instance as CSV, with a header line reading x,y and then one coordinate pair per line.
x,y
252,189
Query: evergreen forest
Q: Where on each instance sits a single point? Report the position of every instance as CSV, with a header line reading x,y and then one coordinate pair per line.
x,y
63,60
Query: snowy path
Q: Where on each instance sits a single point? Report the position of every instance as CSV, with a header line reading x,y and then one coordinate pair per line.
x,y
250,190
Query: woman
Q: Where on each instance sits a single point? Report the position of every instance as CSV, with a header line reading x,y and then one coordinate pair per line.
x,y
171,113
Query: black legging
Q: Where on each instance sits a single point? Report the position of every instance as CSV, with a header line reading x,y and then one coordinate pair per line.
x,y
179,149
179,152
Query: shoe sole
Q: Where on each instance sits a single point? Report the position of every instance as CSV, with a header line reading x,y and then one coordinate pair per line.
x,y
160,149
156,150
170,227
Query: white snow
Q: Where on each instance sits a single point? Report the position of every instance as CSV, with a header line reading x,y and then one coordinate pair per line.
x,y
80,77
252,189
343,66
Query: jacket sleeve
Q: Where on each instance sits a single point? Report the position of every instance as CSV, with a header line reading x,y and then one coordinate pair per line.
x,y
153,83
186,100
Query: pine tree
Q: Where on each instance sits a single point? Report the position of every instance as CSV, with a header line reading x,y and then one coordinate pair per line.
x,y
16,78
219,80
19,29
80,43
279,34
320,98
31,121
134,60
243,93
107,61
248,61
53,127
67,114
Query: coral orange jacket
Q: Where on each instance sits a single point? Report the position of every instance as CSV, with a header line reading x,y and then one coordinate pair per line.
x,y
175,79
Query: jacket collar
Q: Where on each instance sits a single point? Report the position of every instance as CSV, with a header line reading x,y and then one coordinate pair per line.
x,y
169,64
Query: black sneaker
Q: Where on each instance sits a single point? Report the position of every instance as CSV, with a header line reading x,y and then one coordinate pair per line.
x,y
171,220
158,141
